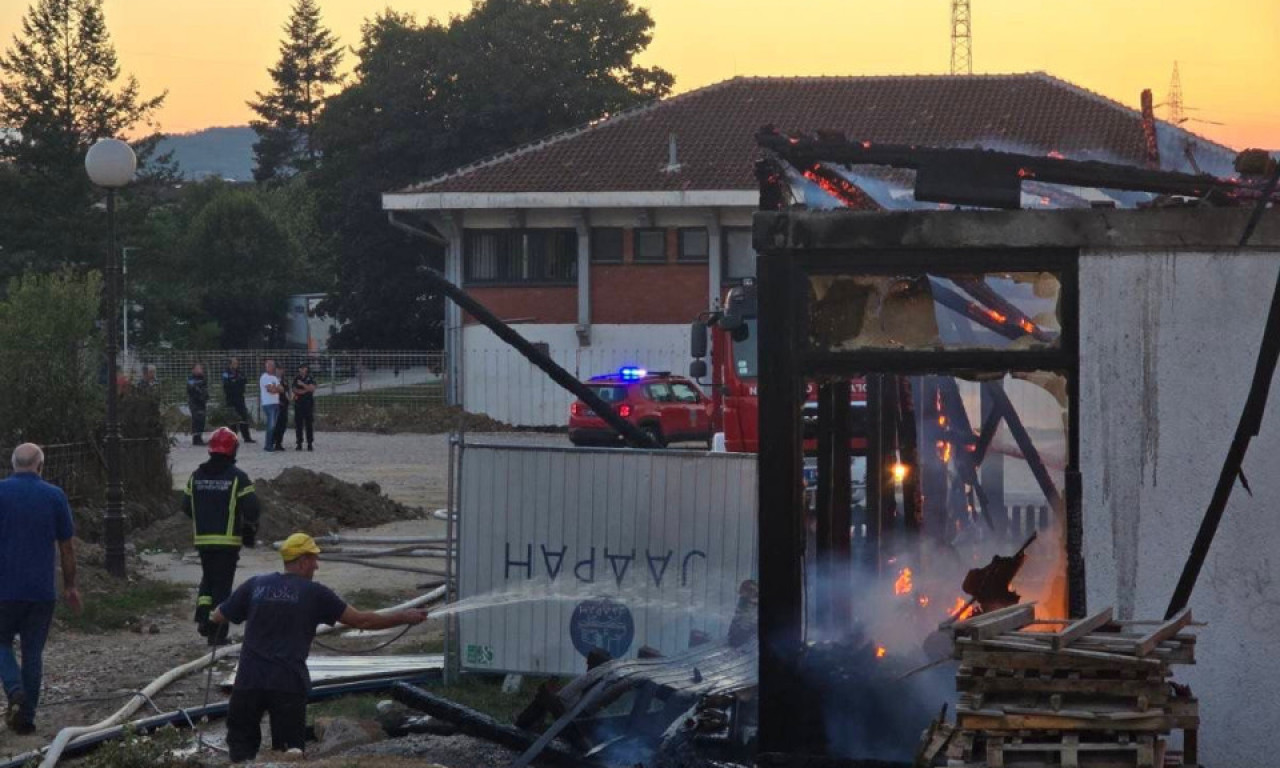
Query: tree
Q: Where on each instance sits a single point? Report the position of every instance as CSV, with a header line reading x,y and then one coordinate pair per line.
x,y
428,98
60,92
309,60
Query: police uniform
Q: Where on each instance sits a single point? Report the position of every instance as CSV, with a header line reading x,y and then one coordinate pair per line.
x,y
223,507
233,384
304,410
197,400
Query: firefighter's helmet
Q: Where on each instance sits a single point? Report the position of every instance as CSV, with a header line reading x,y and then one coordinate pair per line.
x,y
223,441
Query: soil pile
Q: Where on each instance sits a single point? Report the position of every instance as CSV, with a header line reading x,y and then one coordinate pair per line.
x,y
424,418
297,500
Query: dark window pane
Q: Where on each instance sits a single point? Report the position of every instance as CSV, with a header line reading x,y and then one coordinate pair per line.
x,y
651,246
739,256
694,245
492,256
553,255
606,245
610,394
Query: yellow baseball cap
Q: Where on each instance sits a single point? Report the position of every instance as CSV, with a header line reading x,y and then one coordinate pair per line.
x,y
296,546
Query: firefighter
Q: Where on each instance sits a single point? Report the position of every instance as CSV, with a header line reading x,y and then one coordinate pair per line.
x,y
233,384
197,400
223,507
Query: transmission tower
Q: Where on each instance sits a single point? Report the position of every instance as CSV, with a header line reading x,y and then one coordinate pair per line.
x,y
961,39
1174,100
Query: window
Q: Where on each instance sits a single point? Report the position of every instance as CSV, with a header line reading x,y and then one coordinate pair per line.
x,y
606,245
610,394
739,256
515,256
651,246
695,245
683,392
660,392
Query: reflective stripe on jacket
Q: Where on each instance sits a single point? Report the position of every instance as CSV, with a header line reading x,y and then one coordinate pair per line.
x,y
221,501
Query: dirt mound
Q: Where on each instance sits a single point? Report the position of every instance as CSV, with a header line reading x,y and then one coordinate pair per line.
x,y
297,500
429,418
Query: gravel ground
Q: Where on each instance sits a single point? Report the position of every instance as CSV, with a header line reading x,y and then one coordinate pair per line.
x,y
411,469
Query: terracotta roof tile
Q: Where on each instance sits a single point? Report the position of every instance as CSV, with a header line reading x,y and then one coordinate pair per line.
x,y
715,128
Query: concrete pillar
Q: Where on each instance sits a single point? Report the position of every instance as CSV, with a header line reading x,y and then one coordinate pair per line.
x,y
715,262
582,221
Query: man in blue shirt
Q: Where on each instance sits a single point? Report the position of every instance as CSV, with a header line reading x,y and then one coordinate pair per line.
x,y
283,610
34,516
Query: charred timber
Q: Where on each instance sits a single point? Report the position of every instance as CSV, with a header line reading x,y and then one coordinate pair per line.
x,y
991,178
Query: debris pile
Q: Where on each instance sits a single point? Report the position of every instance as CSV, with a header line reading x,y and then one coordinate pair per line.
x,y
1095,692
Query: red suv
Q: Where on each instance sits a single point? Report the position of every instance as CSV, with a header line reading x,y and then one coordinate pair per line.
x,y
670,409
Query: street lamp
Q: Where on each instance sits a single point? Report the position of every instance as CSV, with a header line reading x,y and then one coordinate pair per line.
x,y
111,164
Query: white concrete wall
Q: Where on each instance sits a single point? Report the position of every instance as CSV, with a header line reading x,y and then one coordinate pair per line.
x,y
498,381
1168,347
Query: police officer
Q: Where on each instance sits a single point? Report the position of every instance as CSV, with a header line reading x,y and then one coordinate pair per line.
x,y
233,384
223,506
197,401
304,406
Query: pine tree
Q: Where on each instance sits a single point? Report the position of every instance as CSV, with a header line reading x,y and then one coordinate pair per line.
x,y
61,89
309,60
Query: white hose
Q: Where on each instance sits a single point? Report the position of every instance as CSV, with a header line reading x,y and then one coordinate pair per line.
x,y
66,735
339,539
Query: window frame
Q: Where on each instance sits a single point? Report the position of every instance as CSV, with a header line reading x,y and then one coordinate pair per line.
x,y
680,245
635,247
525,260
596,258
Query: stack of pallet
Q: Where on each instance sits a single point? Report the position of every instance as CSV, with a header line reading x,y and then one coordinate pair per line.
x,y
1092,693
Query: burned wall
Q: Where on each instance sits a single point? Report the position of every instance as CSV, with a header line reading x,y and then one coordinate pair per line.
x,y
1169,340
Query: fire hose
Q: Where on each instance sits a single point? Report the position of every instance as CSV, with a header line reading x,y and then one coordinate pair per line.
x,y
84,732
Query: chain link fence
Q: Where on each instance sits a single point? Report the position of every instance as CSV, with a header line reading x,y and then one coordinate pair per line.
x,y
345,380
80,469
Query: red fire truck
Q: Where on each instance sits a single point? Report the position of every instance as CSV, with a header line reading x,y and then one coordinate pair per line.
x,y
733,371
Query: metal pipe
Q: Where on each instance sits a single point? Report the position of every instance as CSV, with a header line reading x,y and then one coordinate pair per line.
x,y
113,518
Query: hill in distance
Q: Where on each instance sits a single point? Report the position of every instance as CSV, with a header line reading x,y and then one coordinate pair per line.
x,y
223,152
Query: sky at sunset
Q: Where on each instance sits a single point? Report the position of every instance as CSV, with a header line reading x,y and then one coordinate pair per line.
x,y
211,55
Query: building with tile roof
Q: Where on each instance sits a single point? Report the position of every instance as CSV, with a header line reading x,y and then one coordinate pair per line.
x,y
604,242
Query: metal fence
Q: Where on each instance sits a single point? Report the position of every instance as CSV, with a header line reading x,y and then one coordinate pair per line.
x,y
79,469
343,378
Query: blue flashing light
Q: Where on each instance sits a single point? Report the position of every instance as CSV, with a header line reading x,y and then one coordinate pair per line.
x,y
631,373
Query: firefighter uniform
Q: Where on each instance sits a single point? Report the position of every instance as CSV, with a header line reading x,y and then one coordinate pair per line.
x,y
223,507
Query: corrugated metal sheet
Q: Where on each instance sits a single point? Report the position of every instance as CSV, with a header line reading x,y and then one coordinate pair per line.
x,y
668,534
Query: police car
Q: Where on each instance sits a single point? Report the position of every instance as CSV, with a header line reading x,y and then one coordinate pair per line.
x,y
669,408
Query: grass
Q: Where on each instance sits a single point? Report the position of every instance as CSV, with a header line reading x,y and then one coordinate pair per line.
x,y
105,611
363,707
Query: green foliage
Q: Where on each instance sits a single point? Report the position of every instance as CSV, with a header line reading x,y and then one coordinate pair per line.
x,y
117,607
51,358
59,93
240,266
136,750
308,65
428,98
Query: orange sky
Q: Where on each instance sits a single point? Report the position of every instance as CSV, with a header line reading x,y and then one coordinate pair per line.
x,y
212,55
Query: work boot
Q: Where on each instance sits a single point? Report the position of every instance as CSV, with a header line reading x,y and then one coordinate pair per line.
x,y
309,447
13,713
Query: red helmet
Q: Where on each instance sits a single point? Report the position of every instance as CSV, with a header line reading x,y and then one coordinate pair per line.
x,y
223,441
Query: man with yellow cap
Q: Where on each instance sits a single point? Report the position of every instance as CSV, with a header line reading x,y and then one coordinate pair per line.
x,y
283,610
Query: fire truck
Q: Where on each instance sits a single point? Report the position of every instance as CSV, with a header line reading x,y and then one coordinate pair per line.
x,y
733,371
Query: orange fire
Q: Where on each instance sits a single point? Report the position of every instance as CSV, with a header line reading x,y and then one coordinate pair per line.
x,y
923,600
944,451
962,610
881,652
1056,155
1027,326
994,315
902,585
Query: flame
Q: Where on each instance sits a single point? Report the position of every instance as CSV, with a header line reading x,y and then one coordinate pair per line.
x,y
923,600
881,652
902,585
944,451
899,471
1056,155
994,315
960,612
1027,325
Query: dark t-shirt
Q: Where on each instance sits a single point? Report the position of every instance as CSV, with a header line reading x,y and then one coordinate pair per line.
x,y
303,400
283,610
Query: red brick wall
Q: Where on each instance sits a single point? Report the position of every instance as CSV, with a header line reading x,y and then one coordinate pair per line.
x,y
541,303
647,293
624,293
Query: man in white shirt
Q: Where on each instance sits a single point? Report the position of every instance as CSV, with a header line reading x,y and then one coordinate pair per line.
x,y
269,390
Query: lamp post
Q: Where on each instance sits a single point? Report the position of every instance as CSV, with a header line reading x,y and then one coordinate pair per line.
x,y
111,164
